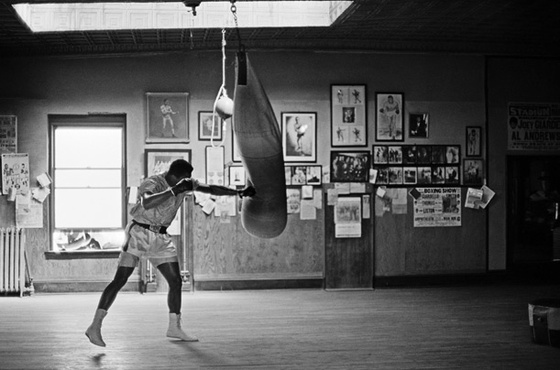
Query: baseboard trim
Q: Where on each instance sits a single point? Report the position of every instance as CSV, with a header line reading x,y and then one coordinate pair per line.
x,y
269,283
432,280
80,286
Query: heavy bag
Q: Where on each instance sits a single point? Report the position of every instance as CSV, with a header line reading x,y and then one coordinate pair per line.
x,y
259,143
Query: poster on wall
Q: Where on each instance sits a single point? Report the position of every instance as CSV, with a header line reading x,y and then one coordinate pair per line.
x,y
437,207
534,126
348,217
15,172
8,134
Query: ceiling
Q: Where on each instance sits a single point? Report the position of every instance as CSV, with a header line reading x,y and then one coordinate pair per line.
x,y
483,27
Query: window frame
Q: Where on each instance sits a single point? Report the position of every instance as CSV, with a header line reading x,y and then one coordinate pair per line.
x,y
84,121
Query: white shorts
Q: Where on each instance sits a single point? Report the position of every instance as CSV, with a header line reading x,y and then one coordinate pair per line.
x,y
142,242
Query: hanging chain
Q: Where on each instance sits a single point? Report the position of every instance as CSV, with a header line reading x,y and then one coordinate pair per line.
x,y
234,12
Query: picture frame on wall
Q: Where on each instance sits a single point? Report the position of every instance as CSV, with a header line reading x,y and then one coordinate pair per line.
x,y
350,166
209,126
236,175
299,136
453,154
157,161
452,175
348,115
314,175
473,172
474,139
418,125
389,117
167,117
380,154
215,165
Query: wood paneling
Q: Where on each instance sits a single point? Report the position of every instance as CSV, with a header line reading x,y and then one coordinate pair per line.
x,y
348,261
227,250
402,249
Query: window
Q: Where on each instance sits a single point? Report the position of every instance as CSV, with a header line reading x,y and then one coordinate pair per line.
x,y
89,182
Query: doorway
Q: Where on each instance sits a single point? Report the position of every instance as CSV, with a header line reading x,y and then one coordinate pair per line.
x,y
533,212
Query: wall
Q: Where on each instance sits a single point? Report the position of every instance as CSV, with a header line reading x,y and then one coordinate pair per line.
x,y
450,87
511,80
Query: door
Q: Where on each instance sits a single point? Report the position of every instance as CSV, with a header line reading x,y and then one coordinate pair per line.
x,y
533,210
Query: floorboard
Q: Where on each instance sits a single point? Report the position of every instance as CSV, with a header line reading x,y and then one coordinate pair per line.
x,y
475,327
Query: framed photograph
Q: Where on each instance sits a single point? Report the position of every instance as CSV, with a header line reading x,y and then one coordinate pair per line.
x,y
424,175
299,136
167,117
350,166
380,154
418,125
438,154
215,165
157,161
389,120
209,126
452,175
453,154
382,175
424,154
395,175
438,175
395,154
474,139
473,172
409,154
410,175
299,175
314,174
236,175
348,115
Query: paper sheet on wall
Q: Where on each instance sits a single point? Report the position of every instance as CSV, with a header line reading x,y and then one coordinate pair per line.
x,y
332,196
294,200
399,204
473,199
342,187
208,206
40,194
8,134
357,187
379,207
487,196
308,210
15,172
372,175
29,213
307,192
366,206
318,198
226,206
438,207
44,179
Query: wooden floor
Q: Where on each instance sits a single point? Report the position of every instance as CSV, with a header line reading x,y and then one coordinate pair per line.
x,y
475,327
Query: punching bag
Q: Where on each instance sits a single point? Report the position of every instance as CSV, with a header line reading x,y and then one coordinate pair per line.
x,y
259,144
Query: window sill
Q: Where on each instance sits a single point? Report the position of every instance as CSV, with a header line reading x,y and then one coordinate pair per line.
x,y
50,255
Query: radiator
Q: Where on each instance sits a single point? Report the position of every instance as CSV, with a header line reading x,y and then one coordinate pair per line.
x,y
13,266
